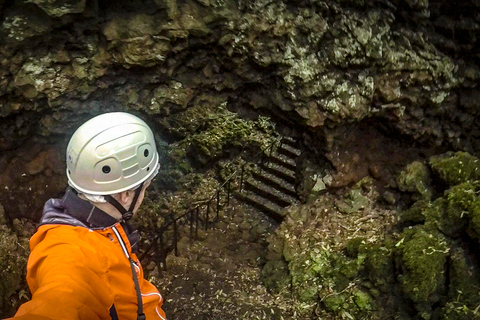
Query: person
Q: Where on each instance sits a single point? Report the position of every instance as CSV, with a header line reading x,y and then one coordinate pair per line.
x,y
82,263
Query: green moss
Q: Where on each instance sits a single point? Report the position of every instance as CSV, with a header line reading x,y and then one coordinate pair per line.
x,y
353,202
275,276
456,168
463,204
464,278
225,128
415,179
305,270
423,257
457,311
416,213
354,304
335,302
379,265
362,300
424,253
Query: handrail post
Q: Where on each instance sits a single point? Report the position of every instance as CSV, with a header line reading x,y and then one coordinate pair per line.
x,y
206,215
228,192
218,202
197,213
175,236
241,177
163,253
191,225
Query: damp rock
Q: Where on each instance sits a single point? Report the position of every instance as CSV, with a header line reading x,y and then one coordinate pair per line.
x,y
423,258
455,168
464,275
415,178
353,202
275,276
58,8
463,207
24,22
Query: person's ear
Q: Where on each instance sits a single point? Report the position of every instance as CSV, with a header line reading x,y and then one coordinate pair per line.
x,y
125,197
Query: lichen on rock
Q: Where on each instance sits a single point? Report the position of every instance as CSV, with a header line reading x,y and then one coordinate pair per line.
x,y
416,179
58,8
455,168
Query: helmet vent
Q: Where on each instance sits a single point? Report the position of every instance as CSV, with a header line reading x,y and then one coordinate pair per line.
x,y
146,153
148,169
106,169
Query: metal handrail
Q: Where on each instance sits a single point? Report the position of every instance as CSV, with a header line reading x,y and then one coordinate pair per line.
x,y
192,215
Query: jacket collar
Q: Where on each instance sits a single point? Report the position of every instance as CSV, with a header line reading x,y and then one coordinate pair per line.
x,y
74,211
85,212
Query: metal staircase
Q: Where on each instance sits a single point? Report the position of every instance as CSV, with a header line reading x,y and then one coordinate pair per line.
x,y
271,186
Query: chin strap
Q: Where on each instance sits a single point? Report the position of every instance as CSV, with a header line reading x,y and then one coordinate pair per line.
x,y
126,214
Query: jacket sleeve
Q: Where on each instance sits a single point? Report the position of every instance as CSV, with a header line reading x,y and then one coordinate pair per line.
x,y
67,281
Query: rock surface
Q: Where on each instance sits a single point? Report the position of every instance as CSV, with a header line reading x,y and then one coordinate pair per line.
x,y
319,65
370,86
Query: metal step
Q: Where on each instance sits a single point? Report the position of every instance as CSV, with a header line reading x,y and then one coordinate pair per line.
x,y
272,194
274,181
283,160
280,171
290,141
288,150
273,210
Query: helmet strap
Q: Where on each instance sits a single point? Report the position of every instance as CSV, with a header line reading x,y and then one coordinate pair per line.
x,y
126,214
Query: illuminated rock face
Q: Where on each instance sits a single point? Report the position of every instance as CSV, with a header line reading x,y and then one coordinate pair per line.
x,y
408,69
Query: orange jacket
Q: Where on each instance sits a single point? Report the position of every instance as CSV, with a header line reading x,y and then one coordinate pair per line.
x,y
78,273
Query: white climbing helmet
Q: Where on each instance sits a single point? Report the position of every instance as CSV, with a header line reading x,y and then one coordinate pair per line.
x,y
111,153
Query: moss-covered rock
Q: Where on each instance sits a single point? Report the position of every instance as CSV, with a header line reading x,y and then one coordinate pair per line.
x,y
353,202
423,258
415,178
463,207
275,276
435,256
455,168
379,265
463,293
330,260
416,213
225,129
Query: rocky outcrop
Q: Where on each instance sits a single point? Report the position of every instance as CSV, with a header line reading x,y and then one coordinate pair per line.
x,y
315,64
366,263
342,72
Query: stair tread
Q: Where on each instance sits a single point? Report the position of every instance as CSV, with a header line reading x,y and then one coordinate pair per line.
x,y
290,149
282,158
273,192
282,171
274,210
289,139
275,180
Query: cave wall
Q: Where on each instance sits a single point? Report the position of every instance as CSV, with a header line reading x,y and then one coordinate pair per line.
x,y
409,66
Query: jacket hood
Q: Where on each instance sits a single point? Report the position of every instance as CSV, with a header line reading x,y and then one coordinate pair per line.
x,y
73,211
